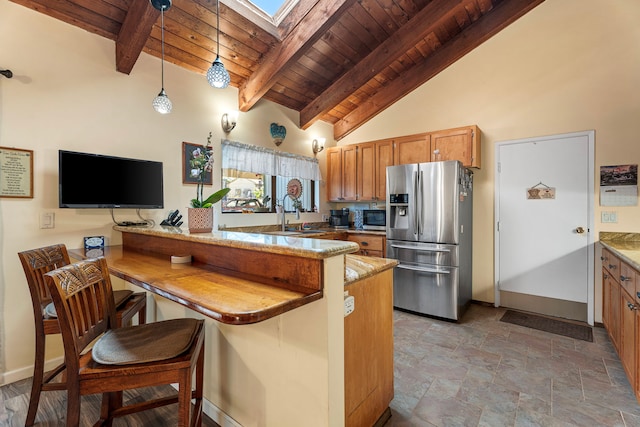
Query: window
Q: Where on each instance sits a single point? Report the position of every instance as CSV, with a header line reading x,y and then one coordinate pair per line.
x,y
251,192
258,178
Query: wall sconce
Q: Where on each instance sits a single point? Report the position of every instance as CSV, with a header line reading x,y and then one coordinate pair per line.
x,y
229,121
318,145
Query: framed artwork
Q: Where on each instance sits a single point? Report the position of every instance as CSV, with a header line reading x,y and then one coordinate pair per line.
x,y
16,172
189,174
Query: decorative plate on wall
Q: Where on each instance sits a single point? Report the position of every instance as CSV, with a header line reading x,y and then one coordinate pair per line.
x,y
278,133
294,188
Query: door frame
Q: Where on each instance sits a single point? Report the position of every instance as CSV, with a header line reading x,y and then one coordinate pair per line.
x,y
590,134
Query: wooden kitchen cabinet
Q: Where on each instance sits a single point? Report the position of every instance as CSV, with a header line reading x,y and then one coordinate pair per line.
x,y
620,314
358,172
627,347
457,144
366,171
384,157
370,244
341,173
368,350
412,149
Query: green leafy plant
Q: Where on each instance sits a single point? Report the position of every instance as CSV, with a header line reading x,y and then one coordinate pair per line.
x,y
202,161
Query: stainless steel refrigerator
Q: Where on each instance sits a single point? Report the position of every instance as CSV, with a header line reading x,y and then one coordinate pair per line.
x,y
429,231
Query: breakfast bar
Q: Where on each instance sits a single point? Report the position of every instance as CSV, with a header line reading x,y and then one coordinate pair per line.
x,y
273,307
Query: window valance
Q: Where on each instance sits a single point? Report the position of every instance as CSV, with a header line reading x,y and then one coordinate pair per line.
x,y
251,158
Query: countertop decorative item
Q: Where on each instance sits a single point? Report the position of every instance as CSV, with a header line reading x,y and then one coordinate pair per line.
x,y
200,214
278,133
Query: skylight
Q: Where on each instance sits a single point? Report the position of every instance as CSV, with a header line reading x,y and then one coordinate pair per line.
x,y
269,6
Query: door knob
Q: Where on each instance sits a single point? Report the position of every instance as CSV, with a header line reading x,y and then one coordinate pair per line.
x,y
579,230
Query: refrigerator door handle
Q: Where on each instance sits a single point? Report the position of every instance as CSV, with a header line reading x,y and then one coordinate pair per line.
x,y
419,249
420,206
424,269
416,181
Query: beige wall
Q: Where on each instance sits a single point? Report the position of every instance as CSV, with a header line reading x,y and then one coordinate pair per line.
x,y
567,66
66,94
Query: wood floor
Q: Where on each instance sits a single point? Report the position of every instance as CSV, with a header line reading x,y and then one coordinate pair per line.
x,y
14,401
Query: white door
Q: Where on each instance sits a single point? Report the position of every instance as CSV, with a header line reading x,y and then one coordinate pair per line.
x,y
544,246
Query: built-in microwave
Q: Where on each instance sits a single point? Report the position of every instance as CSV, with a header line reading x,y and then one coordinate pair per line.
x,y
374,219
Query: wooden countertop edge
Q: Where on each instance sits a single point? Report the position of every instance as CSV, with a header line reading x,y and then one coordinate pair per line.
x,y
246,317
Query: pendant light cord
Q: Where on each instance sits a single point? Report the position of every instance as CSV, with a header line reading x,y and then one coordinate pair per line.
x,y
218,28
162,37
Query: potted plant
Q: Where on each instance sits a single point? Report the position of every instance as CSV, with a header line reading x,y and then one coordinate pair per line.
x,y
200,214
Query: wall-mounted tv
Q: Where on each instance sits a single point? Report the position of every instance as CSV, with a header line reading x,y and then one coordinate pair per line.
x,y
97,181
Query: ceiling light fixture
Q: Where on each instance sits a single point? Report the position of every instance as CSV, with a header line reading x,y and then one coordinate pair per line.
x,y
217,76
161,103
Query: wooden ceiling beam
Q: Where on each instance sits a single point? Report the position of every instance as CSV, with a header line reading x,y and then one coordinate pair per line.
x,y
134,33
319,19
503,14
409,35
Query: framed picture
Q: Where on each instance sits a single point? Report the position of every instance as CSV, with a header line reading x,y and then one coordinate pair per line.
x,y
16,172
189,174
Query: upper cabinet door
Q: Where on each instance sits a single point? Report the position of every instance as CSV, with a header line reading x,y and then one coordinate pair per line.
x,y
366,176
457,144
349,172
412,149
334,174
384,158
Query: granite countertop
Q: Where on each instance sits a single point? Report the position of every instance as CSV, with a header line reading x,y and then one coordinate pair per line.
x,y
358,267
294,244
625,245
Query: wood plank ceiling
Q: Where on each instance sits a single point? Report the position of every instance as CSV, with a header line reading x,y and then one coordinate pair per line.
x,y
340,61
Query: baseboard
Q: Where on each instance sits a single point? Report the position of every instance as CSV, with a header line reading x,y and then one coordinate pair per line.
x,y
218,416
27,371
215,413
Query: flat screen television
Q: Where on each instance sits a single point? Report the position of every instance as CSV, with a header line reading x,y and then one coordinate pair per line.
x,y
97,181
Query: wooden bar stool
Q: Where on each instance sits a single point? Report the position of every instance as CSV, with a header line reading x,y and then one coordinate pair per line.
x,y
125,358
36,263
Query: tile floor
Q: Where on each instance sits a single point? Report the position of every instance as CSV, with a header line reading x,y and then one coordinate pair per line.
x,y
483,372
478,372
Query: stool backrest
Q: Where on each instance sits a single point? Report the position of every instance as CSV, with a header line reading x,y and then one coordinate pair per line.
x,y
83,298
37,262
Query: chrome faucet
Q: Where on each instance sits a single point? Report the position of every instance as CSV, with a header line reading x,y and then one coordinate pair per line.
x,y
284,212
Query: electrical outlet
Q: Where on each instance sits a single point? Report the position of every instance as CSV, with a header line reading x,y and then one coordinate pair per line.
x,y
349,305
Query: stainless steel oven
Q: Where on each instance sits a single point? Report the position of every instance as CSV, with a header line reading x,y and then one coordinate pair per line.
x,y
374,219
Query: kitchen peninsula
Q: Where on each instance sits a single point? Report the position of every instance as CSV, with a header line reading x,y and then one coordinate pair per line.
x,y
275,351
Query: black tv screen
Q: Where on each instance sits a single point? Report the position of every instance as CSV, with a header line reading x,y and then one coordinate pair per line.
x,y
96,181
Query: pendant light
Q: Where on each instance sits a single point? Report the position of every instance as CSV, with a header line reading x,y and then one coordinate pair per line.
x,y
217,76
162,103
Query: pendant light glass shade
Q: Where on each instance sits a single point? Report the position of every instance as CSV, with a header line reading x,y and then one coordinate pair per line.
x,y
217,75
161,103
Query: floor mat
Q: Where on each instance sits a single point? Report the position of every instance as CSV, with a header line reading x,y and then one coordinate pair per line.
x,y
558,327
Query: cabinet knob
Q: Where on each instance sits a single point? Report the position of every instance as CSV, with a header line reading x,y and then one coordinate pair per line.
x,y
624,278
364,243
631,306
612,267
606,276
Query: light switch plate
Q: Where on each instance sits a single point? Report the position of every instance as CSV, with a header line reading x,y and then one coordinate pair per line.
x,y
47,220
609,217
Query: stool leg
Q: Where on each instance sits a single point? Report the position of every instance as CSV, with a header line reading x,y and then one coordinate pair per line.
x,y
38,377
